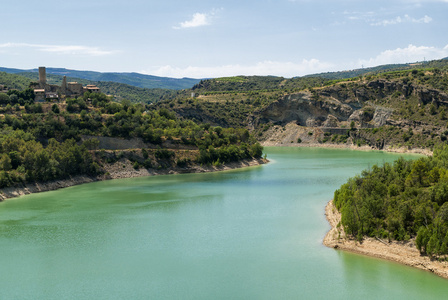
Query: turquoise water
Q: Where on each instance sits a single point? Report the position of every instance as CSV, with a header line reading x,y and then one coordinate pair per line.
x,y
245,234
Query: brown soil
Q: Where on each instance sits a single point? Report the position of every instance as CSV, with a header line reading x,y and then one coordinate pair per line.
x,y
402,252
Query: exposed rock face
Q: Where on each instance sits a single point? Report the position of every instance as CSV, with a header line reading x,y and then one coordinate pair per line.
x,y
300,108
331,121
425,95
381,116
341,104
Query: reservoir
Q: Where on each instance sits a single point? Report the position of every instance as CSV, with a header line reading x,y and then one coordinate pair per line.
x,y
253,233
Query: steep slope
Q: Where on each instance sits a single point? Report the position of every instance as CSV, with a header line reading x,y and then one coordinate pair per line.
x,y
398,108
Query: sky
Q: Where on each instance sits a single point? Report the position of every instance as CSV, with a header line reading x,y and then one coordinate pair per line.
x,y
211,38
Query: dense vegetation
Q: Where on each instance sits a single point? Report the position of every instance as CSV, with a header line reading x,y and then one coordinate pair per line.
x,y
42,141
399,201
13,81
23,159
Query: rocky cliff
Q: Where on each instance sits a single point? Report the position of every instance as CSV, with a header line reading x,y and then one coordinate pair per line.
x,y
361,105
367,104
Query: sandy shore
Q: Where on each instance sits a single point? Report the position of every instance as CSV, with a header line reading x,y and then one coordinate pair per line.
x,y
402,252
122,169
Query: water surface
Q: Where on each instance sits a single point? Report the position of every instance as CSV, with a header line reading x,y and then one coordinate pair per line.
x,y
245,234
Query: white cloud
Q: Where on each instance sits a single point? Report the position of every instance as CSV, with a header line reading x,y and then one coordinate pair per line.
x,y
198,20
398,20
61,49
406,55
275,68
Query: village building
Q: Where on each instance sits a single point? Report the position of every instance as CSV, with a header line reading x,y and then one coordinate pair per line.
x,y
92,88
39,95
44,91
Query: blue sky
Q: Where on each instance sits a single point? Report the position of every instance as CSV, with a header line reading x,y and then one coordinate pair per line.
x,y
210,38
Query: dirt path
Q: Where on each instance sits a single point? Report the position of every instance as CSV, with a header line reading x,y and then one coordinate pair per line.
x,y
402,252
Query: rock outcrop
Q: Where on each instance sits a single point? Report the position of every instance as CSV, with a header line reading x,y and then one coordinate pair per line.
x,y
304,111
340,104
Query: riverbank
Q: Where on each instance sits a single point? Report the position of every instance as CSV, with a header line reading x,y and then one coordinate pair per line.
x,y
422,151
293,135
401,252
119,170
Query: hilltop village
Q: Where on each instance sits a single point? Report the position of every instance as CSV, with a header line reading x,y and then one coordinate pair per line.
x,y
44,91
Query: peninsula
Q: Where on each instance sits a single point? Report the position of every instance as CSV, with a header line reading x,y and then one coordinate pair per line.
x,y
404,252
395,211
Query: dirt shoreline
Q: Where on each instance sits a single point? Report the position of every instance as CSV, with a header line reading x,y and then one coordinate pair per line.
x,y
423,151
401,252
118,171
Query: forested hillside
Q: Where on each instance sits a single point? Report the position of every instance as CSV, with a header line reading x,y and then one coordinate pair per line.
x,y
400,201
13,81
42,141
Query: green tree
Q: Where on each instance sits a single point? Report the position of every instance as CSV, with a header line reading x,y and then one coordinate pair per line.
x,y
4,99
5,162
55,108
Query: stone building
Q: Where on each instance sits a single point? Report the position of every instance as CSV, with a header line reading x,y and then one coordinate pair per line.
x,y
44,91
39,95
74,89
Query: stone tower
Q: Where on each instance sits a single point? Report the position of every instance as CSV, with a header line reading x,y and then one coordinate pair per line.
x,y
64,85
42,77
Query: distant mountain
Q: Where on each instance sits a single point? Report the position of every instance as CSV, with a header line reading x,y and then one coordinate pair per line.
x,y
379,69
134,79
121,91
363,71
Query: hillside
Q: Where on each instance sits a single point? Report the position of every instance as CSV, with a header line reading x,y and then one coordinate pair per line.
x,y
379,69
382,110
399,109
14,81
120,91
133,79
406,201
42,142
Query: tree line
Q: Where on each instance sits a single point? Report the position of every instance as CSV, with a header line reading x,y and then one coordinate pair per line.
x,y
42,142
399,201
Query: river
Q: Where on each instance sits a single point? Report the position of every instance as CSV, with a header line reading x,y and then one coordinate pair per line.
x,y
254,233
